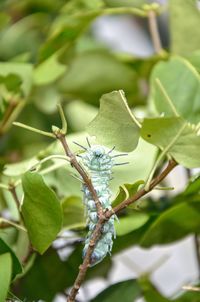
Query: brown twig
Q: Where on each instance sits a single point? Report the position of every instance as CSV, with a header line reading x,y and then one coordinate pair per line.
x,y
171,164
6,225
86,262
12,190
97,232
28,255
9,111
61,137
153,28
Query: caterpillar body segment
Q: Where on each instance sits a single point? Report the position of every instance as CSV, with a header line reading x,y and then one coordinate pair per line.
x,y
99,163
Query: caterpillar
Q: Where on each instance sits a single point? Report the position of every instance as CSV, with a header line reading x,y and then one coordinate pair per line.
x,y
98,163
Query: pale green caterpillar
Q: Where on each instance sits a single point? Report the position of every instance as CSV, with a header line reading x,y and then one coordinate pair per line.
x,y
99,163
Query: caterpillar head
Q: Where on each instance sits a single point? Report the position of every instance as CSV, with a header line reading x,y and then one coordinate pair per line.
x,y
97,151
97,158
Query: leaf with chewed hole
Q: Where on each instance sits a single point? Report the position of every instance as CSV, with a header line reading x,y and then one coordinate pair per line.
x,y
115,125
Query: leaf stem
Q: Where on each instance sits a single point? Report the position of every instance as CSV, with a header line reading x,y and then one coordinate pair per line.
x,y
124,10
164,188
63,119
3,186
63,157
49,134
153,27
12,189
15,106
4,223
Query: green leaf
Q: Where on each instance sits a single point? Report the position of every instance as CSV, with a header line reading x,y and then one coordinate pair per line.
x,y
121,196
194,59
193,186
12,82
50,275
115,125
130,239
133,188
4,19
16,266
41,211
20,71
125,3
177,137
73,213
130,223
64,32
50,97
150,292
174,224
58,180
48,71
173,75
80,6
21,40
79,115
129,289
125,191
188,296
5,275
47,276
18,169
184,35
93,73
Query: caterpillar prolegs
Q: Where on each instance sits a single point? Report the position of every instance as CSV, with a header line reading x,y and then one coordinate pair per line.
x,y
99,164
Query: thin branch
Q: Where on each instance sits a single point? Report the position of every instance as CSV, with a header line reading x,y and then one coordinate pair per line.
x,y
49,134
72,158
28,255
44,160
153,27
171,164
191,288
7,118
86,262
4,186
4,223
63,119
97,232
12,190
114,11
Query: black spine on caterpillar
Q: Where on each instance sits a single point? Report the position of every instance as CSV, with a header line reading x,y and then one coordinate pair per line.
x,y
99,164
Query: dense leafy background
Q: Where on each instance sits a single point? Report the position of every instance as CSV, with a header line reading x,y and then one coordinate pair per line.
x,y
49,53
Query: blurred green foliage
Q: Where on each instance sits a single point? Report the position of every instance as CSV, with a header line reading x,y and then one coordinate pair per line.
x,y
50,53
